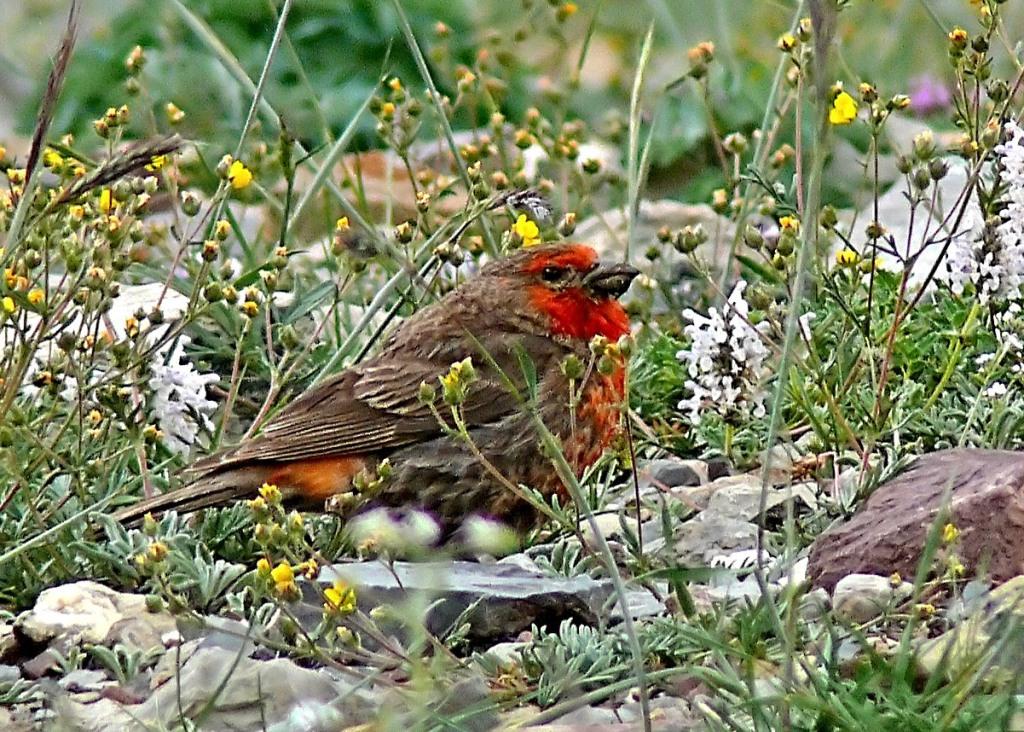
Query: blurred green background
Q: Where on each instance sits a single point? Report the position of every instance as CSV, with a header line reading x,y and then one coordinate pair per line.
x,y
337,49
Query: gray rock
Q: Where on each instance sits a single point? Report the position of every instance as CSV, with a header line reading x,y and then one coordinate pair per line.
x,y
9,674
607,231
894,213
505,598
701,539
739,497
814,605
696,497
859,598
8,642
88,612
505,654
672,472
988,639
258,695
584,717
84,680
218,632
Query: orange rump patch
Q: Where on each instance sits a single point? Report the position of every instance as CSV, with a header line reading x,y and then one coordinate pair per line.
x,y
317,479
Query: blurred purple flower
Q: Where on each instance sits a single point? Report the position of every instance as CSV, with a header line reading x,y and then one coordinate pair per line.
x,y
928,94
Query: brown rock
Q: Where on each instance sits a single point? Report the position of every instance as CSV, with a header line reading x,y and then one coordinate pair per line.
x,y
888,533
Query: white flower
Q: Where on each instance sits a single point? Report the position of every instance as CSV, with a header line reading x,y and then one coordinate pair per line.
x,y
996,389
725,361
177,401
993,258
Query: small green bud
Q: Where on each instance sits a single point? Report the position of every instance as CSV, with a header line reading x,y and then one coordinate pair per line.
x,y
753,237
427,394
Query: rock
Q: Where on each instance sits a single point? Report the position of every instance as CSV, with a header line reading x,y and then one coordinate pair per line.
x,y
167,667
641,603
504,597
894,214
586,717
9,674
718,467
13,720
701,539
468,700
988,638
84,680
672,472
256,696
858,598
88,612
607,231
739,497
8,642
220,632
696,497
813,605
505,654
889,532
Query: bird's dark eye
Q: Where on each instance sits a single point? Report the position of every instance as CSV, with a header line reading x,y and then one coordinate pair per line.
x,y
552,274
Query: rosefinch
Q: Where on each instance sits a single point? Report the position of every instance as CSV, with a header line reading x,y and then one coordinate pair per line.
x,y
546,302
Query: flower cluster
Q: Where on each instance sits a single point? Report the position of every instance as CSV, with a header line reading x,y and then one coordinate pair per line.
x,y
725,361
177,401
992,257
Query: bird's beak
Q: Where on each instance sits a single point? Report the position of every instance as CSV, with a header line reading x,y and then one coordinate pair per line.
x,y
610,279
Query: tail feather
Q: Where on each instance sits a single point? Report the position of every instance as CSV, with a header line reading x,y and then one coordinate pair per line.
x,y
208,491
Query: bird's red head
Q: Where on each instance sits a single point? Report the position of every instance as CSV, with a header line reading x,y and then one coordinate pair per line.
x,y
578,293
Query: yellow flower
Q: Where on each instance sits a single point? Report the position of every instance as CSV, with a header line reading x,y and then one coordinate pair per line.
x,y
239,176
157,551
342,224
282,574
787,42
95,416
790,224
36,296
844,109
157,162
846,257
77,212
8,305
527,231
569,9
340,598
895,579
270,493
107,202
924,609
263,568
52,158
221,229
955,567
250,309
950,533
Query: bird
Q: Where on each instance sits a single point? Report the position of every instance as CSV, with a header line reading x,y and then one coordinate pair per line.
x,y
548,302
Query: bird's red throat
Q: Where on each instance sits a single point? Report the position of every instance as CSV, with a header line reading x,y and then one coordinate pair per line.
x,y
573,313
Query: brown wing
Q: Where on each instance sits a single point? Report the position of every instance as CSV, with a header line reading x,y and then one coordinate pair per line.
x,y
365,409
